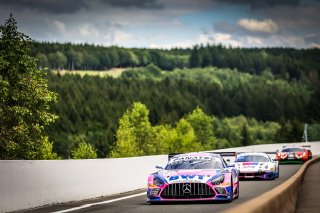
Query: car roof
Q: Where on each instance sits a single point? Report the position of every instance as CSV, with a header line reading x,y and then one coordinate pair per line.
x,y
253,153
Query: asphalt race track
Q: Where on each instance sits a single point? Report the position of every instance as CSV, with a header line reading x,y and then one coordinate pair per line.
x,y
248,189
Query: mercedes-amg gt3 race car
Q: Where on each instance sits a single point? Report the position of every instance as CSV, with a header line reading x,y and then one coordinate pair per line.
x,y
256,165
194,176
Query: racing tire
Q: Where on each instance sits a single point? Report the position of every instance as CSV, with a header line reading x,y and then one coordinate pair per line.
x,y
238,192
278,172
231,192
152,203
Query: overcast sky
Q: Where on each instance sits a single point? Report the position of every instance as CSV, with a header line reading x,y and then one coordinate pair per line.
x,y
169,23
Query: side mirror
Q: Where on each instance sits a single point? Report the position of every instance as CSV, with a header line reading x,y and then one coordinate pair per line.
x,y
159,167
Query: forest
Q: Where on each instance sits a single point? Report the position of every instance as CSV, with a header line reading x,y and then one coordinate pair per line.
x,y
205,97
285,63
239,109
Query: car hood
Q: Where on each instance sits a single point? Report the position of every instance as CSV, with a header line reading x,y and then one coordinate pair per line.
x,y
194,175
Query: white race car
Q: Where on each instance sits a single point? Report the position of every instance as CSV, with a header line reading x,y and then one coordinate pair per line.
x,y
256,165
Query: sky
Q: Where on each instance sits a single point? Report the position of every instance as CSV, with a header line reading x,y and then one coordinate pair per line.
x,y
169,23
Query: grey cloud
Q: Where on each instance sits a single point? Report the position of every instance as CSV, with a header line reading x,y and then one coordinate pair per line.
x,y
262,3
51,6
72,6
225,27
146,4
313,39
236,30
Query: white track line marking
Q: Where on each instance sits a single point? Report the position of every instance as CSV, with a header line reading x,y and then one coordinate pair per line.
x,y
99,203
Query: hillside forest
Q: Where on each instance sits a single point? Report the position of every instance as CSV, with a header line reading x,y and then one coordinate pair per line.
x,y
202,98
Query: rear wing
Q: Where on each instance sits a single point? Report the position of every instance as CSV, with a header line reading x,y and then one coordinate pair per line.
x,y
222,154
225,154
307,146
171,155
304,146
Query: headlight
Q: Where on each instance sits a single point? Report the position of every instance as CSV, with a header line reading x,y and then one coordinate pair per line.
x,y
157,181
218,180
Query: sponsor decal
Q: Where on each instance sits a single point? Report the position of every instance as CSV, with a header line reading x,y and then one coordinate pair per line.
x,y
226,184
186,177
249,167
188,158
151,186
250,163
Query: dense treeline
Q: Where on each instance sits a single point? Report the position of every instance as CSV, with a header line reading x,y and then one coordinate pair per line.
x,y
285,63
90,107
194,132
89,57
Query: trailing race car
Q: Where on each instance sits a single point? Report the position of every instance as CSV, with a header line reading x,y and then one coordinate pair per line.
x,y
294,154
194,176
256,165
308,148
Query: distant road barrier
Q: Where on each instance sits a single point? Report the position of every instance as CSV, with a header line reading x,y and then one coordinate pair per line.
x,y
283,198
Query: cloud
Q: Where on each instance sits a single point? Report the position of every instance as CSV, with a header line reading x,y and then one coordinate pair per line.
x,y
147,4
122,37
51,6
169,23
204,39
60,26
257,4
72,6
265,26
226,39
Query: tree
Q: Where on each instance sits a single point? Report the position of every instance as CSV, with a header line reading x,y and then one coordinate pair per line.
x,y
186,138
57,60
194,60
245,139
135,135
83,151
202,125
42,60
24,97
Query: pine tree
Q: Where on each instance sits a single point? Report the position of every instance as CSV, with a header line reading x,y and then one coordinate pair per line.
x,y
245,139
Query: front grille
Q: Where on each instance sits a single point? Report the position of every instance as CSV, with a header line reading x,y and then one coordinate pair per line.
x,y
187,191
250,174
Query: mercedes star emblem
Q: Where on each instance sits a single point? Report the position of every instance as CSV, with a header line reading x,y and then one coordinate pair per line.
x,y
186,188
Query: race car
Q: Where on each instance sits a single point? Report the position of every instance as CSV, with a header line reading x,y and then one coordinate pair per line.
x,y
293,154
197,176
256,165
308,148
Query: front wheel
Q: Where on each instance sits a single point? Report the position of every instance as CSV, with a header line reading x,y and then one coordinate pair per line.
x,y
231,192
278,173
238,192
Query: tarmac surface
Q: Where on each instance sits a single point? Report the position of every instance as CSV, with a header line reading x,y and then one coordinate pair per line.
x,y
309,195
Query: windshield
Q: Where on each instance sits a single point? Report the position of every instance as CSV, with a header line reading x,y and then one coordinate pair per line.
x,y
194,162
293,150
252,158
